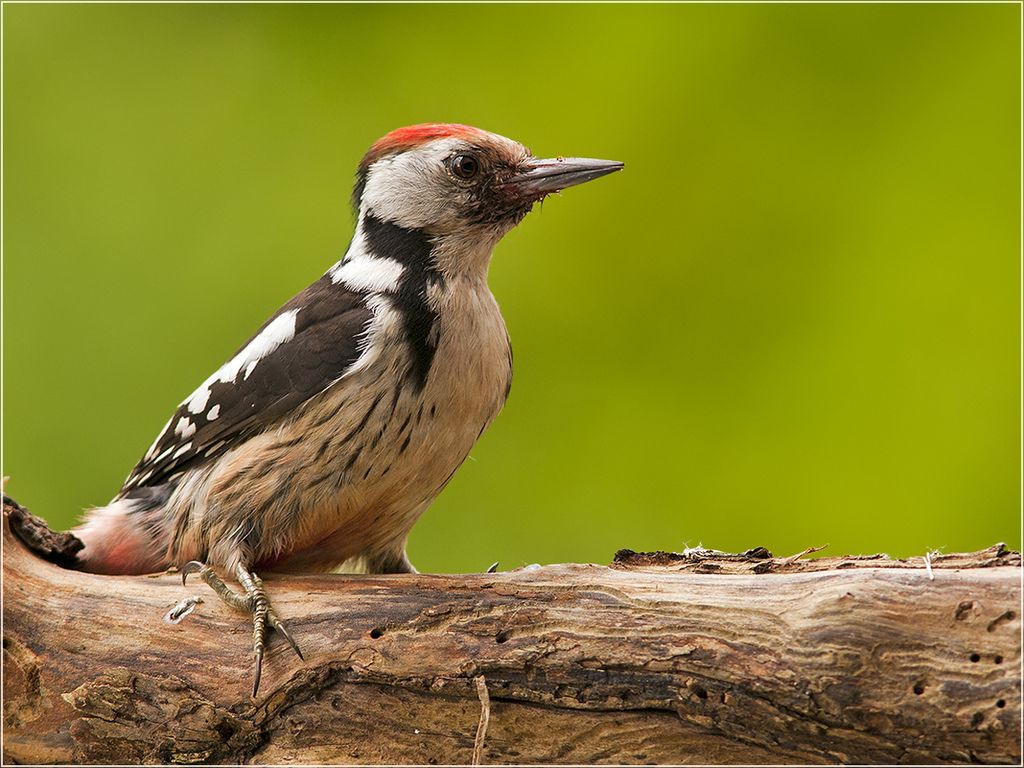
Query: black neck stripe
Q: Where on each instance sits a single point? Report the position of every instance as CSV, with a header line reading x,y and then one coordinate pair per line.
x,y
409,247
412,249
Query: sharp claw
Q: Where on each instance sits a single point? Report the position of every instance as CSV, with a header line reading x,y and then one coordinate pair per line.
x,y
278,625
284,633
259,671
193,566
493,568
255,602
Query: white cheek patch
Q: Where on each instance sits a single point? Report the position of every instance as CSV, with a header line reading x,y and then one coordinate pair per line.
x,y
280,330
404,188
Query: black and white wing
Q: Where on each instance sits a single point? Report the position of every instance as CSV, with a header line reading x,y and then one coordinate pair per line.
x,y
298,353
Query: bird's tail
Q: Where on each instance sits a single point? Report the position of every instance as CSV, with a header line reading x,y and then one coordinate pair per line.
x,y
121,538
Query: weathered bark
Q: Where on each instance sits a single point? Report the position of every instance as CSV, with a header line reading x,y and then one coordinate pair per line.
x,y
658,658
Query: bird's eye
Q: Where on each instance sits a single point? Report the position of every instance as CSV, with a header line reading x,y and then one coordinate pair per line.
x,y
465,166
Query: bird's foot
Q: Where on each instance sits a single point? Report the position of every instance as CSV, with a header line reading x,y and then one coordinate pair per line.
x,y
254,602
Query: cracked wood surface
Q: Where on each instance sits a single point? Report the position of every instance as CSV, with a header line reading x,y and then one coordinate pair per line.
x,y
661,658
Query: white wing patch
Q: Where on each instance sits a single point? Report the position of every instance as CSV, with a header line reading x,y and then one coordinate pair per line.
x,y
185,428
163,455
291,359
279,331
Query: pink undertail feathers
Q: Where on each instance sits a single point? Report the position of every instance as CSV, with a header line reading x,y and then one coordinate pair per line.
x,y
116,543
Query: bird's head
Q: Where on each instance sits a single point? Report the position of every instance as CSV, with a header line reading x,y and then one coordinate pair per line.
x,y
462,187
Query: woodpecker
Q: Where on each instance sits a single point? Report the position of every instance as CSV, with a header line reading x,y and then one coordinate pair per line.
x,y
329,432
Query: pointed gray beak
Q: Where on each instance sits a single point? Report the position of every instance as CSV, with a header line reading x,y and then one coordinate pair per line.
x,y
542,177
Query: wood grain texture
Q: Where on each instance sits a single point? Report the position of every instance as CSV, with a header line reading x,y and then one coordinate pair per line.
x,y
659,658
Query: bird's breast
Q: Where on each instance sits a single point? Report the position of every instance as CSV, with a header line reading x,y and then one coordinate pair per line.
x,y
383,443
462,392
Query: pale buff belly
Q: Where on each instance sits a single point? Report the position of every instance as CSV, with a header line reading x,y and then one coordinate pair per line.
x,y
353,472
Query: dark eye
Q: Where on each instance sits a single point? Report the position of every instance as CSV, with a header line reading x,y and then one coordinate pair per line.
x,y
465,166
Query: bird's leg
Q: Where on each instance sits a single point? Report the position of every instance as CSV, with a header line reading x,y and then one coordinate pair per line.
x,y
260,607
255,602
216,583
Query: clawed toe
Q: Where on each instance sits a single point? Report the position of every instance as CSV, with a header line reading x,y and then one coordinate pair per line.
x,y
193,566
254,602
259,670
277,624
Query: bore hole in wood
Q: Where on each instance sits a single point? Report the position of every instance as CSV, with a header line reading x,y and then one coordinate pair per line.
x,y
918,688
975,658
1001,703
998,621
998,659
502,637
700,692
377,632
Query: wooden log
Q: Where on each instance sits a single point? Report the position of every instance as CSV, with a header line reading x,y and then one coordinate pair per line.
x,y
660,658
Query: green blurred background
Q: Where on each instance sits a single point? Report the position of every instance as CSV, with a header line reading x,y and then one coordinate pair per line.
x,y
794,319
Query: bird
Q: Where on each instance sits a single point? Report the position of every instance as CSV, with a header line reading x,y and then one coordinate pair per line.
x,y
322,440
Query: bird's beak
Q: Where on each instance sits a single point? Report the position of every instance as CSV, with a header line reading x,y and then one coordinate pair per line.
x,y
537,178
